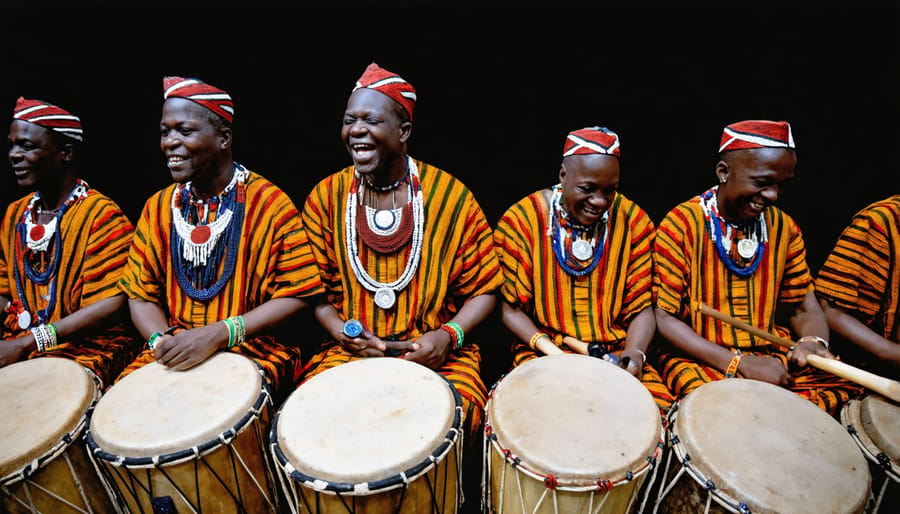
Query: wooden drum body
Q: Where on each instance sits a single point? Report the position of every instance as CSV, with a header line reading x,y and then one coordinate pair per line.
x,y
750,446
44,466
190,440
874,423
373,435
569,433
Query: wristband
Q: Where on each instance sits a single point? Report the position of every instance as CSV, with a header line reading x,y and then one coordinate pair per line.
x,y
733,366
44,336
236,331
456,333
534,339
153,337
819,339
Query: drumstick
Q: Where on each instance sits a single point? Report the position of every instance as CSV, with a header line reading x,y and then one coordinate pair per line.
x,y
546,346
884,386
576,344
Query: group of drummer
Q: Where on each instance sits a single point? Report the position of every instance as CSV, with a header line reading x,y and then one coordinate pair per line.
x,y
396,258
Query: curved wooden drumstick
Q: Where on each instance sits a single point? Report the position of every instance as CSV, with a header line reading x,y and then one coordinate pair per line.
x,y
881,385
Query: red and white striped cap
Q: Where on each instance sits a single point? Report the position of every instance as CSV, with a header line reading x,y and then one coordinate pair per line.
x,y
592,140
49,116
211,97
391,84
756,134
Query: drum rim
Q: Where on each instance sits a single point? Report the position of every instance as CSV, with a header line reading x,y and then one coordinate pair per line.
x,y
222,439
452,439
67,440
851,413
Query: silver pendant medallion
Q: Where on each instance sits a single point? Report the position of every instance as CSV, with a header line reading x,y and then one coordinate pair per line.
x,y
582,250
385,298
747,248
384,219
24,319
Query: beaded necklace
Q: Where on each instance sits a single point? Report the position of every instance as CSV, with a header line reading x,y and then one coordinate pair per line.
x,y
579,250
385,294
197,247
34,239
750,250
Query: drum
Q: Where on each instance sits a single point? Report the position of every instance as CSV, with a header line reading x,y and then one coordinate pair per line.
x,y
44,466
188,441
750,446
372,435
874,423
568,433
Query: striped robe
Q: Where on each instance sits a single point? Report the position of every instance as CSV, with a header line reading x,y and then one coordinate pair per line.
x,y
597,307
96,236
862,275
274,261
458,262
688,269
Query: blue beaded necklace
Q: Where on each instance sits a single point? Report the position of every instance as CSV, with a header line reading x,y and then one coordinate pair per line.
x,y
708,202
199,281
558,238
48,275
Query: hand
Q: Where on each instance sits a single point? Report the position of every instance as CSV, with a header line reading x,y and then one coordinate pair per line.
x,y
365,345
765,369
430,349
807,345
188,348
635,363
14,350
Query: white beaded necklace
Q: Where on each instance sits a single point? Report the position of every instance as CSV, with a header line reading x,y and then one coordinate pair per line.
x,y
200,240
385,294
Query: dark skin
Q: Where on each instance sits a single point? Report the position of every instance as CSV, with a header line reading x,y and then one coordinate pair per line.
x,y
844,323
44,161
199,150
589,185
749,181
375,131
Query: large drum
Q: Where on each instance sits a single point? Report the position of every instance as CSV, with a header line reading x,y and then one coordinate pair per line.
x,y
874,423
44,466
188,441
374,435
569,433
750,446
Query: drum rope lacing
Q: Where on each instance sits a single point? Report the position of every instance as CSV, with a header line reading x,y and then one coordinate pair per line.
x,y
123,465
551,482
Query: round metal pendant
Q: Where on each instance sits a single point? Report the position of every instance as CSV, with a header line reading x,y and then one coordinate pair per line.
x,y
24,319
582,250
385,298
384,219
747,248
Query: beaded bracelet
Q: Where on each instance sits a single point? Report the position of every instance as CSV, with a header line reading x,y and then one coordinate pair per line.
x,y
534,339
44,336
733,366
236,330
456,333
153,337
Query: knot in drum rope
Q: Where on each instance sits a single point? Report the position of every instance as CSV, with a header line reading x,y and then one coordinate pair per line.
x,y
605,484
551,482
884,461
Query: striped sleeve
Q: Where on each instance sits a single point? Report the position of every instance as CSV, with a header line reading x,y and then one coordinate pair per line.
x,y
106,251
513,239
480,268
6,227
672,263
639,273
796,281
317,221
144,275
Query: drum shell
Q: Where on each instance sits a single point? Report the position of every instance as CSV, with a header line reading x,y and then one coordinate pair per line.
x,y
885,473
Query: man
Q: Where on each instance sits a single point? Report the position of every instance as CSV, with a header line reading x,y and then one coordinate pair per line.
x,y
220,257
62,249
859,283
577,262
733,250
403,248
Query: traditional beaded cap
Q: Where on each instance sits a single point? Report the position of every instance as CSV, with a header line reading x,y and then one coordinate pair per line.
x,y
390,84
591,140
756,134
211,97
49,116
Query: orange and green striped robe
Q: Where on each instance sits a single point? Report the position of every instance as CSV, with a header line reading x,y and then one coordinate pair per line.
x,y
862,275
96,236
597,307
458,262
688,269
274,261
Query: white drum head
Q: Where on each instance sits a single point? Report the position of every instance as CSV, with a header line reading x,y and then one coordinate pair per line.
x,y
156,410
365,420
578,418
881,421
42,400
771,449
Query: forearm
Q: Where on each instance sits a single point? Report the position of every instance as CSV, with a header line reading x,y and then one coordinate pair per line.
x,y
474,311
147,317
641,330
329,318
808,318
859,334
96,315
519,323
686,340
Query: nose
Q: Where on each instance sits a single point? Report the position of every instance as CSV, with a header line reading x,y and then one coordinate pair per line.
x,y
14,154
770,194
170,140
598,202
357,128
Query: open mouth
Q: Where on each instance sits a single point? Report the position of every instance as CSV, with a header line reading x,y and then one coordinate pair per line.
x,y
362,150
174,160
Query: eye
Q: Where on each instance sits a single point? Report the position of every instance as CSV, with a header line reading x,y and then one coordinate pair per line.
x,y
186,131
611,190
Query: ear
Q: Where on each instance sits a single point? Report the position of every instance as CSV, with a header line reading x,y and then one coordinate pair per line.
x,y
405,131
722,171
562,173
225,138
67,152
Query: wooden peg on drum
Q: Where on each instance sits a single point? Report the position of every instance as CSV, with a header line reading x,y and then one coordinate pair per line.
x,y
884,386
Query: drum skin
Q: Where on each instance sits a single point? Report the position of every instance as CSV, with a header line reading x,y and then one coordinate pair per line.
x,y
158,411
43,400
766,447
364,422
577,418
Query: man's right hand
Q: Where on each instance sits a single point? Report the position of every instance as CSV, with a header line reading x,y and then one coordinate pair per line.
x,y
765,369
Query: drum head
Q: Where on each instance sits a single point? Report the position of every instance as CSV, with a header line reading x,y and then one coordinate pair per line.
x,y
43,399
881,421
365,420
156,410
771,449
578,418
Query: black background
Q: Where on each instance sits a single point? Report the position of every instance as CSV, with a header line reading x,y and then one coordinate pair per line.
x,y
500,84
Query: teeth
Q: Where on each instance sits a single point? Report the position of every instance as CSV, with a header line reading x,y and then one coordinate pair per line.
x,y
175,160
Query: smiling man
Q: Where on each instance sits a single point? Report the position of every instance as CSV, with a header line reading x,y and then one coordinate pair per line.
x,y
577,262
62,249
403,248
220,257
733,250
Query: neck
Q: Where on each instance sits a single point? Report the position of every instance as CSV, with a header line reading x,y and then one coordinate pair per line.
x,y
55,194
215,184
389,174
